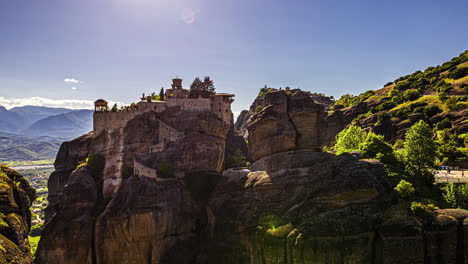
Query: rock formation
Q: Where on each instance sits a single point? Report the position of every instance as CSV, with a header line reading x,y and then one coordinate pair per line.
x,y
93,217
295,205
16,197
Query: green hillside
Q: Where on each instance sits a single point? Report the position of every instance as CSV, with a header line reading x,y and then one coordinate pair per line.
x,y
437,95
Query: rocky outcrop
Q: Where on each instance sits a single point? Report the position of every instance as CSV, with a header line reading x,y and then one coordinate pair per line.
x,y
16,197
321,209
285,121
295,205
94,215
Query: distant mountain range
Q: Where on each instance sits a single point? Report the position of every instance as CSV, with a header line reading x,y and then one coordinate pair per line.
x,y
35,132
45,121
15,147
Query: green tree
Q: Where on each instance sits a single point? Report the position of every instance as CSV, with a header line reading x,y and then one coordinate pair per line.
x,y
373,145
203,88
349,139
162,95
114,108
165,170
404,189
419,152
456,195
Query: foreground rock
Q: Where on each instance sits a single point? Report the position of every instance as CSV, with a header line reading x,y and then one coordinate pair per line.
x,y
16,197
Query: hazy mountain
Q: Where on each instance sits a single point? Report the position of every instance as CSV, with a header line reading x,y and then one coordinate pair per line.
x,y
68,125
31,114
10,121
15,147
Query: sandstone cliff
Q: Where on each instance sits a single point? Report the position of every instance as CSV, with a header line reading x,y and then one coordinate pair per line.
x,y
16,197
94,216
295,205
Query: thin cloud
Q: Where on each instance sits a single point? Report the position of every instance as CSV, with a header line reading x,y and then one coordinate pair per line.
x,y
74,88
56,103
71,80
188,15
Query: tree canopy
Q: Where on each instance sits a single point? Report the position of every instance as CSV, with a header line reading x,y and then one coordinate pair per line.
x,y
349,139
420,152
200,88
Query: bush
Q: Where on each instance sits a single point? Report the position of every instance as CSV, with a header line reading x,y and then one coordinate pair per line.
x,y
36,230
402,85
373,145
422,210
281,231
456,195
387,84
410,95
458,73
96,163
404,189
165,170
431,110
349,139
442,96
393,92
444,124
383,116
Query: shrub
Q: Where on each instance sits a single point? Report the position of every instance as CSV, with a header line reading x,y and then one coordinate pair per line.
x,y
458,73
281,231
445,123
442,96
456,195
431,110
421,210
410,95
404,189
383,116
165,170
270,221
402,85
349,139
387,84
96,163
393,92
36,230
258,109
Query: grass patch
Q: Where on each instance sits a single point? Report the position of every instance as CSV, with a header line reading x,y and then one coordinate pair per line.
x,y
11,163
33,242
2,221
430,100
457,81
462,65
281,231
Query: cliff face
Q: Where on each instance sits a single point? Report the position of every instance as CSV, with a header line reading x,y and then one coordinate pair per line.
x,y
296,205
16,197
94,216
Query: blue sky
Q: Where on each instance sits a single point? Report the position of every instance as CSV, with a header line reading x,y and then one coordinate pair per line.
x,y
55,50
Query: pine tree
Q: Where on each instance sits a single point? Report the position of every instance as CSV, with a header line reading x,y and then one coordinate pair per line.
x,y
114,108
161,94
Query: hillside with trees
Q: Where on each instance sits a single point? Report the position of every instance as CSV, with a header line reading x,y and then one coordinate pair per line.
x,y
437,95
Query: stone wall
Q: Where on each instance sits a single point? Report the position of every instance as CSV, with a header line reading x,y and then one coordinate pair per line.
x,y
168,133
190,104
221,108
140,169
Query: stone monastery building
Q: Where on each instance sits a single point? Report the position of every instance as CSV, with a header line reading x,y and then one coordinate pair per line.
x,y
218,103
